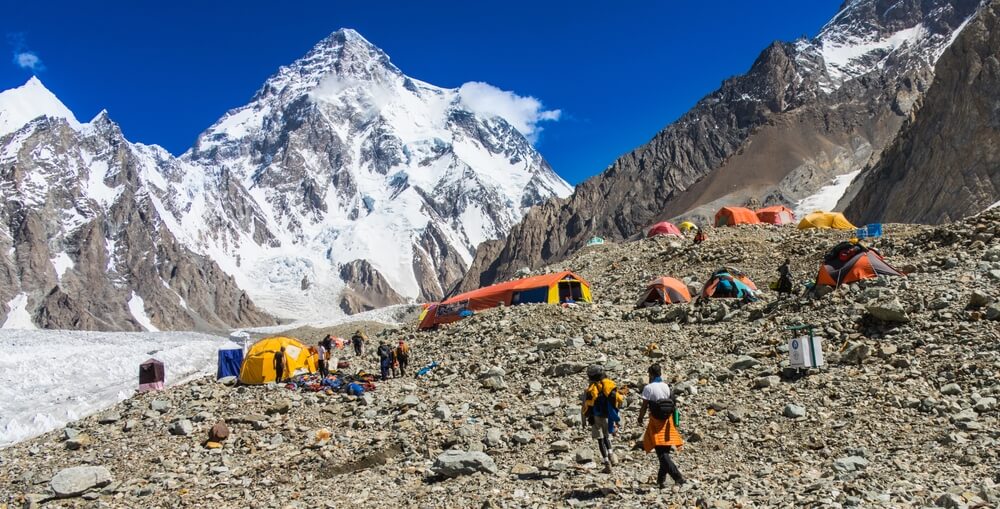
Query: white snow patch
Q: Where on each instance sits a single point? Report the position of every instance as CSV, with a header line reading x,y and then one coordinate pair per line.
x,y
62,262
827,197
137,307
389,315
50,378
18,316
840,55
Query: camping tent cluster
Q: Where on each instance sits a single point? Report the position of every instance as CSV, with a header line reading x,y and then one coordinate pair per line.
x,y
781,215
545,289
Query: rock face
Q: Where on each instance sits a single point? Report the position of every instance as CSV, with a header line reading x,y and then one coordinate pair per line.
x,y
944,165
87,244
805,113
368,187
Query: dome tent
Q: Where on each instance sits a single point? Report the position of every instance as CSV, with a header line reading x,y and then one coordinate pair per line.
x,y
732,216
687,226
663,228
848,262
728,283
151,376
664,290
821,219
778,214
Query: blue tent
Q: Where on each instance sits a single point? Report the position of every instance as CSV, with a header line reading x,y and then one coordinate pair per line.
x,y
230,361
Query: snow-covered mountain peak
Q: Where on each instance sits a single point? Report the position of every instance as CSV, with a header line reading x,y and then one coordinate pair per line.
x,y
21,105
866,33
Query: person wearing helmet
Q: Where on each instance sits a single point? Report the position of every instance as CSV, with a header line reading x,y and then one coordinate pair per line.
x,y
601,402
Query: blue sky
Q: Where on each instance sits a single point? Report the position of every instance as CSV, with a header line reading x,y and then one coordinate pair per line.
x,y
618,71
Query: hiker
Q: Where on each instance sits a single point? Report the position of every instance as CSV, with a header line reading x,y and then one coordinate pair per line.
x,y
785,278
402,356
358,340
323,355
279,365
328,344
384,359
699,236
601,402
661,433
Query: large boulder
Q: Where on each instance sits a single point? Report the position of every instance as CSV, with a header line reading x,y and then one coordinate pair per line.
x,y
456,463
73,481
891,311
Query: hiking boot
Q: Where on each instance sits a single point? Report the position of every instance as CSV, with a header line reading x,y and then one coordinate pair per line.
x,y
607,468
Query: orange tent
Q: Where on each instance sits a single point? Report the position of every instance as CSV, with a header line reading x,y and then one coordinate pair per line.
x,y
848,262
549,289
664,290
778,214
663,228
730,216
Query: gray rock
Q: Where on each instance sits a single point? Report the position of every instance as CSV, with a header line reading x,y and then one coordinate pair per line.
x,y
891,311
855,353
986,404
281,407
78,442
744,362
442,412
182,428
160,405
767,381
549,344
409,401
849,464
493,437
522,437
109,418
566,369
455,463
979,299
70,433
951,390
583,455
794,411
73,481
559,446
228,380
575,342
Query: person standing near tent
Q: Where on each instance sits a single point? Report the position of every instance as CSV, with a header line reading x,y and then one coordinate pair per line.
x,y
402,356
384,359
699,235
323,355
785,278
358,340
279,365
599,411
661,433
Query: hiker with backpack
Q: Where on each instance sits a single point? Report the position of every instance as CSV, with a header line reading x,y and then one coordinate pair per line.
x,y
384,359
784,278
661,433
279,365
358,340
402,353
601,402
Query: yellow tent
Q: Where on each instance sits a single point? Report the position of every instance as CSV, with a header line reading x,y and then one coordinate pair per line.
x,y
258,366
821,219
687,226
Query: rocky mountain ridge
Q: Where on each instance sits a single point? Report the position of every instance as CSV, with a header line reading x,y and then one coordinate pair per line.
x,y
805,114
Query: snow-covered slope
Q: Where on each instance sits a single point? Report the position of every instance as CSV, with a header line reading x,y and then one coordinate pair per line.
x,y
49,379
365,187
20,105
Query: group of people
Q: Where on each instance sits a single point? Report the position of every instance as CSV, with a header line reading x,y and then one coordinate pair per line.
x,y
602,403
392,360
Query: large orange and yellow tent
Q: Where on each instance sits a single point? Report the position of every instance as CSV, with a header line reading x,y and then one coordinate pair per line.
x,y
546,289
849,262
731,216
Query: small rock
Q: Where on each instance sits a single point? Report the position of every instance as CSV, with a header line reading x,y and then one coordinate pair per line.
x,y
493,437
523,470
979,299
849,464
227,380
794,411
442,412
78,442
109,418
522,437
182,428
951,390
282,407
767,381
546,345
583,455
160,405
744,362
559,446
219,432
892,312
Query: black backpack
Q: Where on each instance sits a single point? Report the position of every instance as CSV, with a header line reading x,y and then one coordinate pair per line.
x,y
663,408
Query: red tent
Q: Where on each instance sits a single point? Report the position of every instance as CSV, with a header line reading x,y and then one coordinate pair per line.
x,y
778,214
663,228
730,216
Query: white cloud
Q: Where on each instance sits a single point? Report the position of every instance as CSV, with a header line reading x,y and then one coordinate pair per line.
x,y
28,60
522,112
